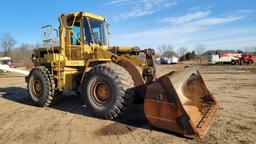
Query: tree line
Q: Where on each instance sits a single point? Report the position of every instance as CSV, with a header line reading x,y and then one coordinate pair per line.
x,y
183,52
21,55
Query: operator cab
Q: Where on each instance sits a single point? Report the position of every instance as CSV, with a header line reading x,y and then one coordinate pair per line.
x,y
81,31
86,28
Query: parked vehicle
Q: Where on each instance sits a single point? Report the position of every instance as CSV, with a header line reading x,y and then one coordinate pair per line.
x,y
6,61
233,58
244,59
170,60
217,58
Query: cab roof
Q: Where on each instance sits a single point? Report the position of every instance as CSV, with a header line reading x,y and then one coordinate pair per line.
x,y
84,14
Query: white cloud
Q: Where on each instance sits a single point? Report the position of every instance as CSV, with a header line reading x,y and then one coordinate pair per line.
x,y
170,4
213,21
245,11
140,8
186,18
123,2
196,8
117,2
177,34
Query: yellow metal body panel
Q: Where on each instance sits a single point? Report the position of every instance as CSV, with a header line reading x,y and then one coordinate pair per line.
x,y
68,79
52,57
74,63
123,48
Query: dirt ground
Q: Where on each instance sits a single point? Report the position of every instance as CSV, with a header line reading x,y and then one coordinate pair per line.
x,y
68,122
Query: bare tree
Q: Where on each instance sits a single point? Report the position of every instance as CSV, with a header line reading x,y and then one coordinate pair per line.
x,y
250,49
7,42
200,49
182,51
254,50
22,55
164,48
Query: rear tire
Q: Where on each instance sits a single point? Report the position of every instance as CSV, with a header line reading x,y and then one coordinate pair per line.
x,y
41,86
108,90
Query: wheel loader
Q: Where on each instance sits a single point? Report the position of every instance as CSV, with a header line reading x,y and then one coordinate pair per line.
x,y
77,57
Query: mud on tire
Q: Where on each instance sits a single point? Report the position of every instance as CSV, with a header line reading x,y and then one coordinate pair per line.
x,y
108,90
41,86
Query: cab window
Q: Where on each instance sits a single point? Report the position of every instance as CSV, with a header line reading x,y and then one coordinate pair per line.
x,y
75,34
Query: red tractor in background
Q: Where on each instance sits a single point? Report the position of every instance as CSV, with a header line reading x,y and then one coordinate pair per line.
x,y
244,59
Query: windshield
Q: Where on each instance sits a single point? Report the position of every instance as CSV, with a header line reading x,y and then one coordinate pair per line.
x,y
98,32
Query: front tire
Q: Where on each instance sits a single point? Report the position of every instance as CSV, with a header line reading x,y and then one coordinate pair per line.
x,y
41,86
108,90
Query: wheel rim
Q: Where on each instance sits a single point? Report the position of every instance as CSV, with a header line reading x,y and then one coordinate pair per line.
x,y
37,88
100,93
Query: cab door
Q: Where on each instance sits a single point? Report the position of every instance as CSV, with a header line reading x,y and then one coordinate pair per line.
x,y
74,42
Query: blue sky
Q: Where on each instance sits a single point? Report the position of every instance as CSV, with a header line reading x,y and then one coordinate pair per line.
x,y
218,24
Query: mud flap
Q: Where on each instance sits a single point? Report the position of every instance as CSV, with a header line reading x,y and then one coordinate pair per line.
x,y
180,102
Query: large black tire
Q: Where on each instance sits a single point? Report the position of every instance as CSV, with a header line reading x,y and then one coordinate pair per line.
x,y
117,86
41,86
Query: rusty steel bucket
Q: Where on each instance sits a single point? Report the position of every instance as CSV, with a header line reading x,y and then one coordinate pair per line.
x,y
180,102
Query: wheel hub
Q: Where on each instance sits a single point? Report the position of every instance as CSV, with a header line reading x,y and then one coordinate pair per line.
x,y
100,93
37,87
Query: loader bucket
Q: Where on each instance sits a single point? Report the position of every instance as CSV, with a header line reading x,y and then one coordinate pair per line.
x,y
181,103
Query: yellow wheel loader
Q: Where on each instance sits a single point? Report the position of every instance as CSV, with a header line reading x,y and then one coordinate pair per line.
x,y
108,78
